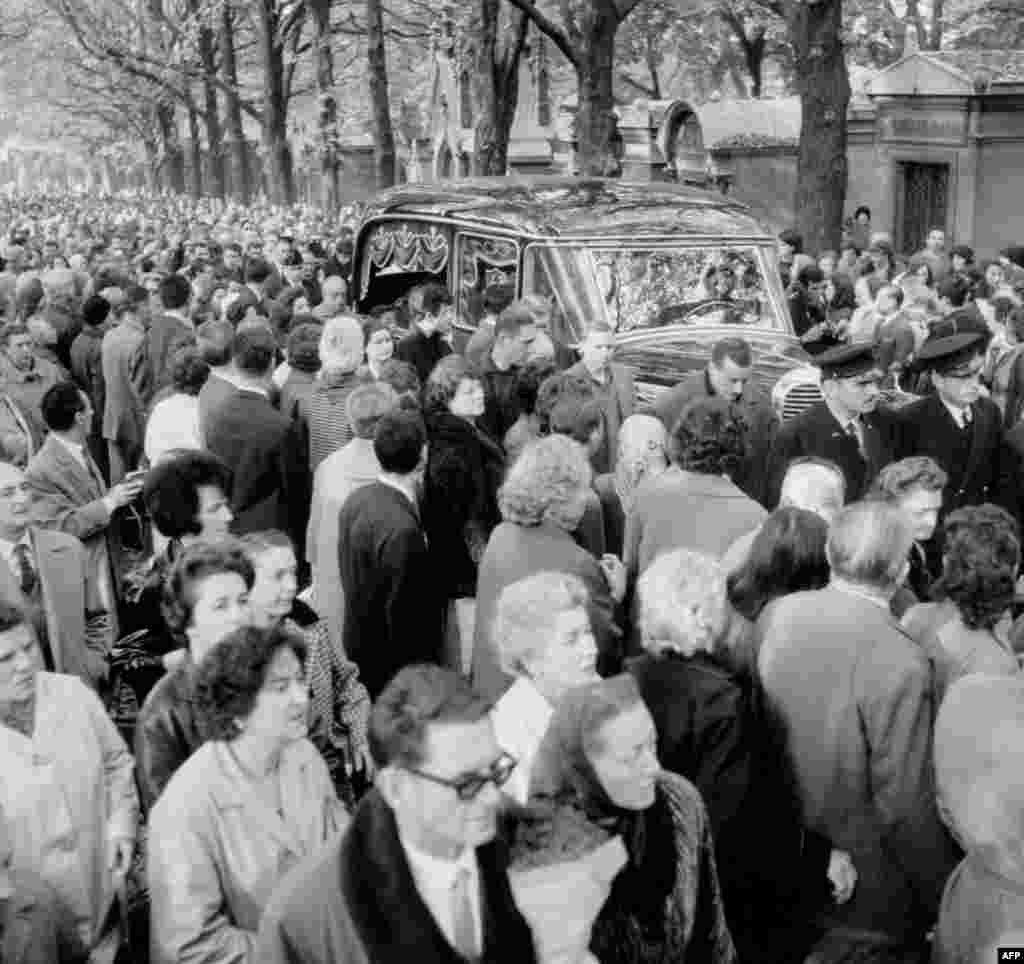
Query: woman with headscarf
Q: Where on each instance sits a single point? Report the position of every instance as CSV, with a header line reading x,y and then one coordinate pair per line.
x,y
665,904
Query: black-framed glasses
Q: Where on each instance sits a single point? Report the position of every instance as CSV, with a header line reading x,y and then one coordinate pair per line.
x,y
468,787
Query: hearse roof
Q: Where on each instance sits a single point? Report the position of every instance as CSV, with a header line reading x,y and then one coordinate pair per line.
x,y
568,207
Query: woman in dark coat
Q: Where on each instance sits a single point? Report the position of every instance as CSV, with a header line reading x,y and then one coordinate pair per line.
x,y
460,487
712,729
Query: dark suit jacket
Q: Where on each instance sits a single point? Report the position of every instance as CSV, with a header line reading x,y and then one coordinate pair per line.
x,y
77,627
979,466
619,398
270,479
392,607
816,432
128,382
214,393
754,407
421,352
165,336
356,903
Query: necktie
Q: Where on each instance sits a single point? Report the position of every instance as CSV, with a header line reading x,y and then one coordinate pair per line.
x,y
965,417
853,429
26,573
464,928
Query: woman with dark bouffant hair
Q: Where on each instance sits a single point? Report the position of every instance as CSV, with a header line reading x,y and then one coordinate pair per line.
x,y
787,556
695,504
253,801
968,630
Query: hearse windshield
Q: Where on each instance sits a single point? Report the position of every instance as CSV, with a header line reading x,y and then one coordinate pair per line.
x,y
655,285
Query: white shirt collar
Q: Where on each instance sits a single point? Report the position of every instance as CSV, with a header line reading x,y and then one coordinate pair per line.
x,y
408,491
521,718
959,414
877,597
844,420
435,880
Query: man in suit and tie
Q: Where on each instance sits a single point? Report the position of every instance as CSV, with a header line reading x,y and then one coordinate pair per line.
x,y
50,572
842,428
263,447
728,375
169,330
615,389
418,874
958,427
393,613
128,380
69,492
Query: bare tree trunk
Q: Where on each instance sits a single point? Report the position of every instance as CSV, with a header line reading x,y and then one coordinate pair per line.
x,y
214,133
380,106
815,32
496,89
241,187
280,173
327,109
195,149
173,160
595,123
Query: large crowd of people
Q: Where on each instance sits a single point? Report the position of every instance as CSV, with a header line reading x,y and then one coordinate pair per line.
x,y
323,642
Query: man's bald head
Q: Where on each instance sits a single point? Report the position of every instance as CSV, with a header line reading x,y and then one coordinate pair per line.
x,y
816,485
341,344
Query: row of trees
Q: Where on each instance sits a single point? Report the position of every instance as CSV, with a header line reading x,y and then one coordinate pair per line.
x,y
106,72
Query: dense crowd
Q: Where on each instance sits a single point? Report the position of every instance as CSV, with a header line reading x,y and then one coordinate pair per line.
x,y
322,641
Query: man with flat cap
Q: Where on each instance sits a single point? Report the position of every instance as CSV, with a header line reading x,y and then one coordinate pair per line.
x,y
958,427
841,428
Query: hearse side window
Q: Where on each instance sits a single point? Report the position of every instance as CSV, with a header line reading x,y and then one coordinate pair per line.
x,y
398,255
483,262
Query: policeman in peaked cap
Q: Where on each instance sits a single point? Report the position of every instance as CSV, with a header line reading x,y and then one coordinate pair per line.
x,y
958,426
842,427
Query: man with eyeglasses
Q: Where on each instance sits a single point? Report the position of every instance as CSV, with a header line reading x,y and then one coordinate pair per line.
x,y
417,875
842,428
959,427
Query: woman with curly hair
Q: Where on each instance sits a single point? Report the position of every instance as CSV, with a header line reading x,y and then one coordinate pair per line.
x,y
694,505
460,492
968,630
542,502
206,597
247,806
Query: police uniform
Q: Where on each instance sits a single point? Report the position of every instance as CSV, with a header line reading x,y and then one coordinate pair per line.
x,y
860,451
971,451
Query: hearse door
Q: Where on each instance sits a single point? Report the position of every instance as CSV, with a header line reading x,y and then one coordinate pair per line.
x,y
395,255
484,261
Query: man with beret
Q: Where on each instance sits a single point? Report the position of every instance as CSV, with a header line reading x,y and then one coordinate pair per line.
x,y
958,427
841,428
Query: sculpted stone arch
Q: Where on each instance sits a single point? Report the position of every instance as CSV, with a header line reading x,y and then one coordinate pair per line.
x,y
681,140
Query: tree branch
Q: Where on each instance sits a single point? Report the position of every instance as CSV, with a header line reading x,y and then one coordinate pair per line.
x,y
550,29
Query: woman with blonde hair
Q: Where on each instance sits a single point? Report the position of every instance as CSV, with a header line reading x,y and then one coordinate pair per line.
x,y
541,503
713,731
